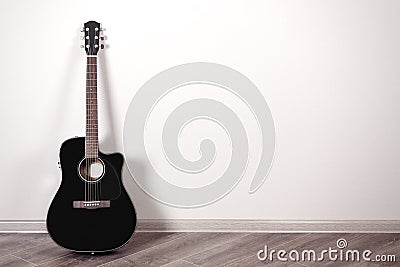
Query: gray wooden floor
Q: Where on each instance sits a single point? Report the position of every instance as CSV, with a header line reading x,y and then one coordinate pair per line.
x,y
194,249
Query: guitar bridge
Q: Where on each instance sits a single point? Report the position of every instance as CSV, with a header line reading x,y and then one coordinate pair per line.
x,y
78,204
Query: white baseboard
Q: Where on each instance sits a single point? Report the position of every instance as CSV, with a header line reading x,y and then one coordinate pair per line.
x,y
205,225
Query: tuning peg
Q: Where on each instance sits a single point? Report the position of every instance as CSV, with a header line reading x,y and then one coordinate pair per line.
x,y
82,37
102,29
82,29
101,37
102,46
82,46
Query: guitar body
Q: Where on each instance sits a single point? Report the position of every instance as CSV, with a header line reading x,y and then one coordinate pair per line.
x,y
90,229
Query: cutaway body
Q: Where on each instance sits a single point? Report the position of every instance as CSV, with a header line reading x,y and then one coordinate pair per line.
x,y
90,229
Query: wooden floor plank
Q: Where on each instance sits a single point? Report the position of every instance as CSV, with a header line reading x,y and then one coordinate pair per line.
x,y
310,241
139,242
43,253
10,243
377,243
180,263
389,244
180,248
116,263
12,261
239,248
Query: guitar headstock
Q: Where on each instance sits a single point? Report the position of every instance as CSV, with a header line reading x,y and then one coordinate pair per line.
x,y
92,37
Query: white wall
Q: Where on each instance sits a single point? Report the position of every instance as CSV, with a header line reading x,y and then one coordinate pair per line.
x,y
329,71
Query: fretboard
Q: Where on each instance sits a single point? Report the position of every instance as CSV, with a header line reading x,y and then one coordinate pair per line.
x,y
91,140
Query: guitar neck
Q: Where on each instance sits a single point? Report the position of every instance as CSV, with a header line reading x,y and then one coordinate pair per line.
x,y
91,140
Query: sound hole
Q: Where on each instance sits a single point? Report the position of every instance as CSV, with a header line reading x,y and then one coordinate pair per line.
x,y
91,169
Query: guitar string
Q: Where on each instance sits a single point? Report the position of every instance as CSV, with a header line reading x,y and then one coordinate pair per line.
x,y
88,127
92,150
96,193
96,127
96,119
90,123
86,142
95,158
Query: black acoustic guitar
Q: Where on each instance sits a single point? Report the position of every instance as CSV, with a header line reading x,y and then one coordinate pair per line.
x,y
91,211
